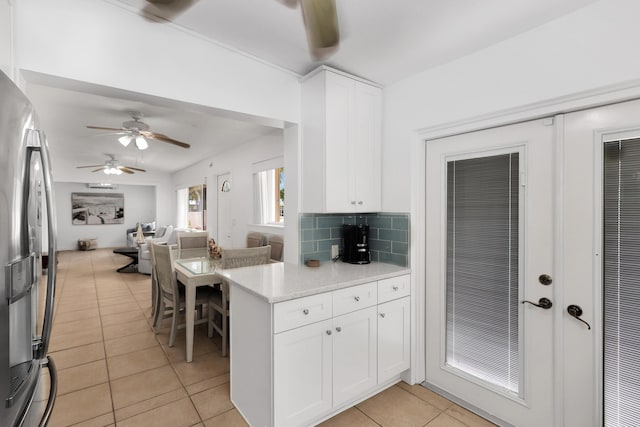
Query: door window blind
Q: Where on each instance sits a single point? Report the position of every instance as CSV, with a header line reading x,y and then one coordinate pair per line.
x,y
621,282
482,268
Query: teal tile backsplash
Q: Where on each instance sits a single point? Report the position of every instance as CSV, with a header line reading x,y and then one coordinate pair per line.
x,y
388,235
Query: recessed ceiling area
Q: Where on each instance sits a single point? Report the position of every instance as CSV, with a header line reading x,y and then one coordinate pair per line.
x,y
65,108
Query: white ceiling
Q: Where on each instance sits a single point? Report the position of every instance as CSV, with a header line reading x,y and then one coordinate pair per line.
x,y
381,40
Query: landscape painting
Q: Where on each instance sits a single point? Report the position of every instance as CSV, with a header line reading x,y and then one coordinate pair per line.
x,y
97,208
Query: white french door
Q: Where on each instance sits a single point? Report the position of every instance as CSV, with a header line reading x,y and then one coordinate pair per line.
x,y
489,222
577,220
600,235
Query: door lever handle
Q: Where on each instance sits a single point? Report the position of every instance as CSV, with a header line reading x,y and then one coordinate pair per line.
x,y
576,311
542,303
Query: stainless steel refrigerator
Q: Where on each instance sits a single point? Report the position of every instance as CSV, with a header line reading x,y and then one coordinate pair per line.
x,y
26,302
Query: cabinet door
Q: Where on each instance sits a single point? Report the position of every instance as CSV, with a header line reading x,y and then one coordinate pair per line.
x,y
340,184
354,354
302,373
365,150
393,338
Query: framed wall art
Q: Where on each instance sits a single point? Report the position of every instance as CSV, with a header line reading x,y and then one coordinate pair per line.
x,y
97,208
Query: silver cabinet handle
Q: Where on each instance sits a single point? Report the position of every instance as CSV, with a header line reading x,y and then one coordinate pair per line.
x,y
382,315
360,202
305,311
357,298
353,202
395,288
338,329
328,332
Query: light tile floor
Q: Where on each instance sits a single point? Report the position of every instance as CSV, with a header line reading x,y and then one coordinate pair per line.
x,y
113,370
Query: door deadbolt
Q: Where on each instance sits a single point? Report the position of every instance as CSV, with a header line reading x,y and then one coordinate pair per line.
x,y
545,279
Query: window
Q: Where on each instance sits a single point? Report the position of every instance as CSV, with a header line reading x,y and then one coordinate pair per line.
x,y
621,282
482,269
269,189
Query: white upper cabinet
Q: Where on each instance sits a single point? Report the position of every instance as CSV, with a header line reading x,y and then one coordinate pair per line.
x,y
341,142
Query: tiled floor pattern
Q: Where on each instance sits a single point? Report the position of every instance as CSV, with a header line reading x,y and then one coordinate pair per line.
x,y
113,370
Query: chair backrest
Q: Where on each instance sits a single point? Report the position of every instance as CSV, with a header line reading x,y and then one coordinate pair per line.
x,y
233,258
277,246
168,230
163,259
193,240
255,239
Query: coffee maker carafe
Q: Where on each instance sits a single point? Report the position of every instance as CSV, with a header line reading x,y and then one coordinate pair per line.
x,y
355,243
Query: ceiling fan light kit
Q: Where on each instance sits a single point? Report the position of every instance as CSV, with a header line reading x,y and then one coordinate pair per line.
x,y
141,143
112,171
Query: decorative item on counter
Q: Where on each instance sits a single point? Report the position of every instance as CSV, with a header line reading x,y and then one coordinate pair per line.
x,y
312,263
214,250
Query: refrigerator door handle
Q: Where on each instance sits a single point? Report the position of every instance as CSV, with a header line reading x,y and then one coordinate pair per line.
x,y
53,390
41,147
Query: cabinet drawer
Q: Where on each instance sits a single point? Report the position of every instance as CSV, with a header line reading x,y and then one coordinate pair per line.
x,y
354,298
302,311
395,287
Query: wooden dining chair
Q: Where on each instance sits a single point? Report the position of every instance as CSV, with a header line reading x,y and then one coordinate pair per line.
x,y
233,258
172,293
193,239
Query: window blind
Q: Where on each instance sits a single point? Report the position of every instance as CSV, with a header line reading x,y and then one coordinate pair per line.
x,y
621,282
482,268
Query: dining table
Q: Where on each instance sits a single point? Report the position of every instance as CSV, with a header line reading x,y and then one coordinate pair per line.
x,y
193,268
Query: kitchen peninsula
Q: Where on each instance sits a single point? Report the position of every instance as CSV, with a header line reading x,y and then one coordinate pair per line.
x,y
307,343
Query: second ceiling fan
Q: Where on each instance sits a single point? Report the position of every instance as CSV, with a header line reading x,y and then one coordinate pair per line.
x,y
138,131
112,167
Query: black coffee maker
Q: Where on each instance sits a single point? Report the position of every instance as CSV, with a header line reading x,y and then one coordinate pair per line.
x,y
355,244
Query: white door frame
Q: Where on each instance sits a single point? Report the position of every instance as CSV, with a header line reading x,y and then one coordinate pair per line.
x,y
574,102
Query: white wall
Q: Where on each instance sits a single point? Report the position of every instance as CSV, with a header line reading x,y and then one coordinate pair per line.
x,y
139,206
6,37
238,162
105,43
593,47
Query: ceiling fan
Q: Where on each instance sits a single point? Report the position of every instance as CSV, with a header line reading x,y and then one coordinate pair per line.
x,y
138,131
111,167
320,20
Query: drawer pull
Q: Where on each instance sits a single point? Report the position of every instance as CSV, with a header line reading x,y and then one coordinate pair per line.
x,y
357,298
395,288
338,329
382,315
305,311
328,332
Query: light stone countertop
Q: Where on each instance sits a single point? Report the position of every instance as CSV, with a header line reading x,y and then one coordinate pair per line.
x,y
281,281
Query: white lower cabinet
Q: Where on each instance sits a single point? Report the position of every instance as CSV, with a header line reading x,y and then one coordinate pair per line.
x,y
324,364
394,343
296,362
354,354
302,373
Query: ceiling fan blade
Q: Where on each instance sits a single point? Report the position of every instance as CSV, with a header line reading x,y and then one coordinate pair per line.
x,y
168,9
104,128
135,169
89,166
125,169
164,138
321,22
100,169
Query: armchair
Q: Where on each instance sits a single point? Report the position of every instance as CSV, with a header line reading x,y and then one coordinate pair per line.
x,y
144,253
